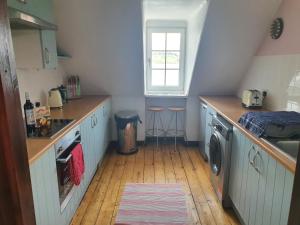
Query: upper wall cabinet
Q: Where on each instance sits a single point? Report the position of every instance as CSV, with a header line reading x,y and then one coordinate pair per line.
x,y
39,8
49,50
43,9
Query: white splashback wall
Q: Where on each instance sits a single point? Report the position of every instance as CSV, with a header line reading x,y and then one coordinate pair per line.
x,y
280,76
32,77
276,68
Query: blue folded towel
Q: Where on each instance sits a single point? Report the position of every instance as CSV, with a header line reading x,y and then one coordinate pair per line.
x,y
258,122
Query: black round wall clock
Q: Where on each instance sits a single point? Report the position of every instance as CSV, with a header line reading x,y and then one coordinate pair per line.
x,y
277,28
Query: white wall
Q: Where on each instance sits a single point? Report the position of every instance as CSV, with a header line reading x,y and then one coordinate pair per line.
x,y
233,31
105,39
32,77
280,76
196,23
276,68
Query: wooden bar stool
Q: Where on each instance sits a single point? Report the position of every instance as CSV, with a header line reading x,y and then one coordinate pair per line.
x,y
157,129
176,132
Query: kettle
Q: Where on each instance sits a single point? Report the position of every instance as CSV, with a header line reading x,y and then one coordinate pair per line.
x,y
55,99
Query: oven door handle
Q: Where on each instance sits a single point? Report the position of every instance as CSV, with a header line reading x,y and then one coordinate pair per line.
x,y
64,161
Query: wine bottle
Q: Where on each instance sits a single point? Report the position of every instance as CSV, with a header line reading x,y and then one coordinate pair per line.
x,y
29,116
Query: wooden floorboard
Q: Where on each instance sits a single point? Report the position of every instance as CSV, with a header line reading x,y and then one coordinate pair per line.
x,y
153,164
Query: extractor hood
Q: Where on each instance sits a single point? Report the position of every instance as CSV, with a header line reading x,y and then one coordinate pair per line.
x,y
21,20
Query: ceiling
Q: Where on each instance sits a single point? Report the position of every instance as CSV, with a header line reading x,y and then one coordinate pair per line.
x,y
171,9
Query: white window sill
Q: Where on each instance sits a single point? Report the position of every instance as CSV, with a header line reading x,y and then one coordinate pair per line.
x,y
166,95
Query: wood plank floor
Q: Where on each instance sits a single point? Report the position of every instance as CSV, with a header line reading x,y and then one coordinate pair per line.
x,y
153,165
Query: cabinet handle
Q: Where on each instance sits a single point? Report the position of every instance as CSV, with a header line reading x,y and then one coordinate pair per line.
x,y
204,107
47,56
92,121
96,120
23,1
249,154
211,114
258,170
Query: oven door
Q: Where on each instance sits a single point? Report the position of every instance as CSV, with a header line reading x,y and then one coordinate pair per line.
x,y
65,183
215,153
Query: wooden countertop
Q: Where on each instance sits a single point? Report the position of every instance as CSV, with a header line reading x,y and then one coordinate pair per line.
x,y
230,108
76,109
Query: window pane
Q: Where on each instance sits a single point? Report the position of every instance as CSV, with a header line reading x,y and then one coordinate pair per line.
x,y
173,41
158,41
173,60
158,60
172,78
158,78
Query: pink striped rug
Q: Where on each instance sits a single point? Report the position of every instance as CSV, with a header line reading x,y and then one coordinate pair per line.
x,y
157,204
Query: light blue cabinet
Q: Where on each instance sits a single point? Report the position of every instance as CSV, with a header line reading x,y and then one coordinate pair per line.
x,y
39,8
210,113
260,187
107,122
44,10
203,108
94,131
45,189
49,50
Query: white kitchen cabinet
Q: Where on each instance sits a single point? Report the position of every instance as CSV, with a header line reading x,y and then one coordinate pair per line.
x,y
203,108
43,9
260,187
94,133
45,189
210,113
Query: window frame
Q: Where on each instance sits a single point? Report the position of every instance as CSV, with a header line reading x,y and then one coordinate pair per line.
x,y
165,27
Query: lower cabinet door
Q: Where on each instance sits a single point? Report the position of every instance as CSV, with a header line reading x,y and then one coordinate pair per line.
x,y
236,169
49,50
45,189
260,187
208,130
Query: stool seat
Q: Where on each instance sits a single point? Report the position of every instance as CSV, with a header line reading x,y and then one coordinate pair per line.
x,y
156,109
176,109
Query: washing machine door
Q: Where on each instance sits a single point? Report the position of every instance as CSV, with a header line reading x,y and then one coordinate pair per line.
x,y
215,153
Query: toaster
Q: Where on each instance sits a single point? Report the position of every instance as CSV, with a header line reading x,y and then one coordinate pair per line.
x,y
252,99
55,99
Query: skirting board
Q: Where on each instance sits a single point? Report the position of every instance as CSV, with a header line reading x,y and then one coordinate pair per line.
x,y
163,140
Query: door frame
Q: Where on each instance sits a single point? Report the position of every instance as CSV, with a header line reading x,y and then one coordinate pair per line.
x,y
295,202
16,201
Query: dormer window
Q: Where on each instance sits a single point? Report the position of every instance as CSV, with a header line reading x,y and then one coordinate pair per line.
x,y
165,56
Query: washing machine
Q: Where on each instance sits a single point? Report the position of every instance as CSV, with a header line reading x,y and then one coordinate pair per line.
x,y
220,154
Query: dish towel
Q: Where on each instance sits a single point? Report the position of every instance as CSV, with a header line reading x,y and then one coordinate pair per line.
x,y
258,122
77,164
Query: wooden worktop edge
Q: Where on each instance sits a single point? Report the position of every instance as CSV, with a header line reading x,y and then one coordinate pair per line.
x,y
276,153
66,130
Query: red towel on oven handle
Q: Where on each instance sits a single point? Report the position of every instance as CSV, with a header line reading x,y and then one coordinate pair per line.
x,y
77,164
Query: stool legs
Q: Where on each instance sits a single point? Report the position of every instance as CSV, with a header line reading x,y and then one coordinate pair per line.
x,y
155,129
177,130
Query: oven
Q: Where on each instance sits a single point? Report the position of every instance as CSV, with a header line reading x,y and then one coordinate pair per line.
x,y
63,150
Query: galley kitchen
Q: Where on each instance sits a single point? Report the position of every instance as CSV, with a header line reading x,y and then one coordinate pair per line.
x,y
158,112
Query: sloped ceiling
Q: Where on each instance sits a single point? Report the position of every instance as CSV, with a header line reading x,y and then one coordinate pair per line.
x,y
232,34
105,39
